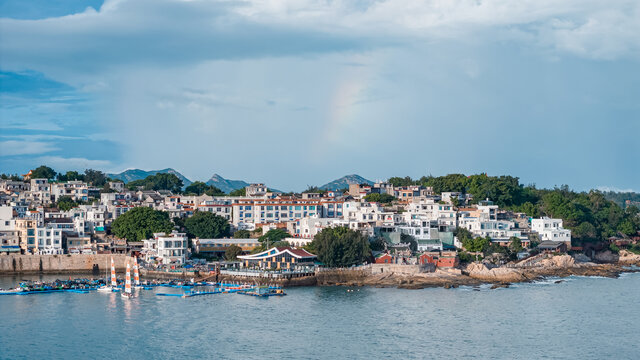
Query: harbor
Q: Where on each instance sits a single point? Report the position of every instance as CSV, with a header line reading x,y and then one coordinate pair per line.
x,y
189,288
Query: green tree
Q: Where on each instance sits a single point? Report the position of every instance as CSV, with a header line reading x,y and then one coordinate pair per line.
x,y
463,235
206,225
280,243
239,192
70,176
106,189
242,234
159,181
199,188
43,172
314,189
515,244
380,198
232,252
12,177
273,236
95,177
66,203
341,246
476,244
408,239
399,181
140,223
379,244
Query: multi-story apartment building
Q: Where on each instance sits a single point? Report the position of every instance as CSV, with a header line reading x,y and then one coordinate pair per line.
x,y
49,240
166,248
77,190
551,230
26,228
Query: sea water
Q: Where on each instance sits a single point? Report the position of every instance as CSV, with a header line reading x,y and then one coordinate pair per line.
x,y
578,318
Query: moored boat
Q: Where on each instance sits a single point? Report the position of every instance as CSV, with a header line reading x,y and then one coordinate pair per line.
x,y
127,284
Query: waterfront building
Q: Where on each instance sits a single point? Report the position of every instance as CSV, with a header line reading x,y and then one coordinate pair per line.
x,y
77,244
217,247
9,242
48,240
166,248
278,258
441,259
551,230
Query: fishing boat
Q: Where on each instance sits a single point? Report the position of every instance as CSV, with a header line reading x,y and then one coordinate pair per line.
x,y
127,284
114,281
136,274
11,291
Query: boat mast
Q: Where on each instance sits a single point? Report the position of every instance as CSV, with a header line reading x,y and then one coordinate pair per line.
x,y
127,280
114,282
136,274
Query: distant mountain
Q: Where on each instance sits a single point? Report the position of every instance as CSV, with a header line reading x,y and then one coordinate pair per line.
x,y
137,174
225,184
345,181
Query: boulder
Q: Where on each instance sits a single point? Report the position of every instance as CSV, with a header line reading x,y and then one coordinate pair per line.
x,y
560,261
607,257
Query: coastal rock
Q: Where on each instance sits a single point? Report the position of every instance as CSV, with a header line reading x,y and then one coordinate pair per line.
x,y
560,261
607,257
581,258
627,257
501,274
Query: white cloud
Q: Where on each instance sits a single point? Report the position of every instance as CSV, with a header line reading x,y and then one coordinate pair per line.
x,y
615,189
64,164
17,147
32,125
138,33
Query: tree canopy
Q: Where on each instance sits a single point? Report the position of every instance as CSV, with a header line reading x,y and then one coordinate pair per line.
x,y
590,215
159,181
70,176
199,188
341,246
140,223
95,177
206,225
66,203
232,252
273,236
12,177
380,198
43,172
239,192
242,234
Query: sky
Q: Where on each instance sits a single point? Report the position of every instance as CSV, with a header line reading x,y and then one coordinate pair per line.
x,y
300,92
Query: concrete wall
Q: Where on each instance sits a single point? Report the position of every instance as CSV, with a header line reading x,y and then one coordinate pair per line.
x,y
59,263
396,269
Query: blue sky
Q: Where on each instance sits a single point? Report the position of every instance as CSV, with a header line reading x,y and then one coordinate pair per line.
x,y
295,93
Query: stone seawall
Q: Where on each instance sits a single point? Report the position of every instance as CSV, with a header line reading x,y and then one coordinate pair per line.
x,y
11,264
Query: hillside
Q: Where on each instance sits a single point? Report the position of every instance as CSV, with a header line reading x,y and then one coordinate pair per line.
x,y
345,181
137,174
226,185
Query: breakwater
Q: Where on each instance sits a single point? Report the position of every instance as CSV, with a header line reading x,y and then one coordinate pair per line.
x,y
13,264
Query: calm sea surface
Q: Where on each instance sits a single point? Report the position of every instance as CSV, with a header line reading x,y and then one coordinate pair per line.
x,y
580,318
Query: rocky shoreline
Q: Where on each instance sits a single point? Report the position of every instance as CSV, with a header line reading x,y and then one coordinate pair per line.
x,y
474,274
477,274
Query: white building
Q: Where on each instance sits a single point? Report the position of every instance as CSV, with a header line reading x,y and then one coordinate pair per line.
x,y
551,230
49,240
166,248
77,190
